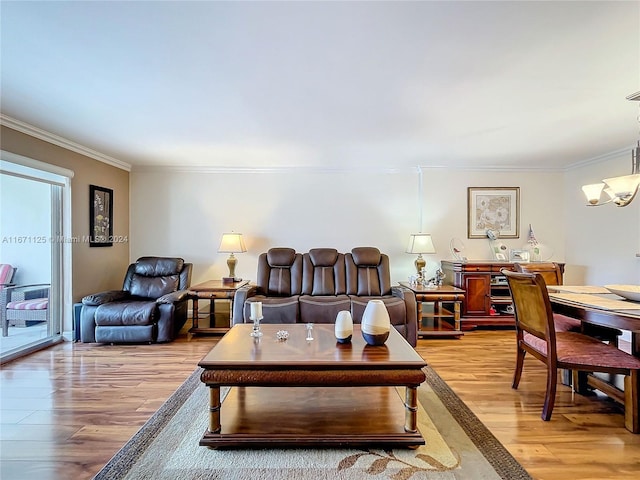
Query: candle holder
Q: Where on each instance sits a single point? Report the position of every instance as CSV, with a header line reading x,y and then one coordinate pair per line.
x,y
309,331
256,327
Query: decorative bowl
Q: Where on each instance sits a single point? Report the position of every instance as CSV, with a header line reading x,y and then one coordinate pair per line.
x,y
630,292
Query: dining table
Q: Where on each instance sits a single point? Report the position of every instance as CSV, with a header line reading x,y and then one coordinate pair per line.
x,y
597,305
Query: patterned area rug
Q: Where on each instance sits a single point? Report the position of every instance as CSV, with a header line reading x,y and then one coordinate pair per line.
x,y
458,446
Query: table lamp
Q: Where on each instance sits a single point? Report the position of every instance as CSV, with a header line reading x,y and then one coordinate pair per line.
x,y
231,243
420,243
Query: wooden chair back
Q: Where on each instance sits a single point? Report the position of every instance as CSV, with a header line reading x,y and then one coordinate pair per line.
x,y
533,312
550,271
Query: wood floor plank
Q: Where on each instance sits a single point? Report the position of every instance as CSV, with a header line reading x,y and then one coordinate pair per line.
x,y
65,411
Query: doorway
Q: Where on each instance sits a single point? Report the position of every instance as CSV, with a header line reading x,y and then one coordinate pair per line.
x,y
33,209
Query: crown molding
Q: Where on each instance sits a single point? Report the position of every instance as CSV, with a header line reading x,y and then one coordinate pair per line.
x,y
70,145
276,170
36,132
601,158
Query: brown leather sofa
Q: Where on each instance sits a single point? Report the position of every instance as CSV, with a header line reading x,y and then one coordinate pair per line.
x,y
151,307
313,287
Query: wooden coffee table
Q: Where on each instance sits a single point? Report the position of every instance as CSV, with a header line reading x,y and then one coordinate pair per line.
x,y
344,395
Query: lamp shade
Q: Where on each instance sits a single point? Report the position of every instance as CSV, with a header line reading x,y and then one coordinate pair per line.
x,y
420,243
592,192
625,186
232,243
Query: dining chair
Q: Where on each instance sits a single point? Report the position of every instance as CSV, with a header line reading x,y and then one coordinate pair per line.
x,y
553,275
536,334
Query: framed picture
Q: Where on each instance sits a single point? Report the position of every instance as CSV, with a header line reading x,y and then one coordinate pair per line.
x,y
521,256
100,216
493,208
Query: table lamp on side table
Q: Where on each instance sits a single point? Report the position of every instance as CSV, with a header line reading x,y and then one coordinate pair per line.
x,y
420,243
231,243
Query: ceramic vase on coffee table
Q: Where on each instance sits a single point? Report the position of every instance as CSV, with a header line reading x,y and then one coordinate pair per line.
x,y
375,323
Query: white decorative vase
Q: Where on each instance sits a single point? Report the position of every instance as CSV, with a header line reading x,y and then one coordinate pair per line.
x,y
375,323
344,326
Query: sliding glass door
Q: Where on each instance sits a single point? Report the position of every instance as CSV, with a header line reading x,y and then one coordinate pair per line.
x,y
32,242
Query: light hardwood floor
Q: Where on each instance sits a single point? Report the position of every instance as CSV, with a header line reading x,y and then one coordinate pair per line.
x,y
67,410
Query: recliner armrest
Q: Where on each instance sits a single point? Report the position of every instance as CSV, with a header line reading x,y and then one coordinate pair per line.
x,y
397,292
105,297
240,297
174,297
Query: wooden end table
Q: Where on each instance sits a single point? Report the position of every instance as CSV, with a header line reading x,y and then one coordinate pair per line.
x,y
311,393
438,296
213,290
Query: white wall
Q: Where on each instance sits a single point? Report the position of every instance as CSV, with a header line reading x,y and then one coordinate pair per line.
x,y
602,242
184,213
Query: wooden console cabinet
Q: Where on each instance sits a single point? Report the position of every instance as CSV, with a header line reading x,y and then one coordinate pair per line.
x,y
487,300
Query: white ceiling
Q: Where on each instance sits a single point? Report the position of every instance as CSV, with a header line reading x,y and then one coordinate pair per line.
x,y
327,84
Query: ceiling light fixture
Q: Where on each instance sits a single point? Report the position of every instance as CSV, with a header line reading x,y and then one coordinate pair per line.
x,y
619,190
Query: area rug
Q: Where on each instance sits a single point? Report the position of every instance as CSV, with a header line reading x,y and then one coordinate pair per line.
x,y
458,446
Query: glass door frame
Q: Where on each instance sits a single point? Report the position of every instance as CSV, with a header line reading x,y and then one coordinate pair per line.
x,y
60,324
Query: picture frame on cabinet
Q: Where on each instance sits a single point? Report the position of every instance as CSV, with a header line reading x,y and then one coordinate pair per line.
x,y
521,256
495,209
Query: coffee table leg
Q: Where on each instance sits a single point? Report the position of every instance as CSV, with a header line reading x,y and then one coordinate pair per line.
x,y
214,409
411,410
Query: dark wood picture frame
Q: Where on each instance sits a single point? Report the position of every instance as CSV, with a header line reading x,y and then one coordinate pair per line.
x,y
100,216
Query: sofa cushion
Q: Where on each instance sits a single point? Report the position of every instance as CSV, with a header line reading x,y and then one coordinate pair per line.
x,y
365,277
33,304
280,272
126,313
366,256
323,272
322,309
158,266
153,287
274,309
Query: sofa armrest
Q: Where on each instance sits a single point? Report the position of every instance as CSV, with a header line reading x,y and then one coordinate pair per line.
x,y
241,296
173,297
105,297
412,312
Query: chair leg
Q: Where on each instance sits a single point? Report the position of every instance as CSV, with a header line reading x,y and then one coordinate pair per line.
x,y
550,395
632,401
580,382
518,371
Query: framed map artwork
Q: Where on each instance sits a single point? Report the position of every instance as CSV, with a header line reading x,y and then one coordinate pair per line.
x,y
493,208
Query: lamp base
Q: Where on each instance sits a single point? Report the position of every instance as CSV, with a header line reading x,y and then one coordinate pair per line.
x,y
231,279
420,263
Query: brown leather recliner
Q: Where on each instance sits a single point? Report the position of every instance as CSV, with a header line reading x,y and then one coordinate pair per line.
x,y
151,307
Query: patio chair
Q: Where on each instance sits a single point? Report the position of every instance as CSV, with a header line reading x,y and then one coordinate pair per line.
x,y
24,305
7,273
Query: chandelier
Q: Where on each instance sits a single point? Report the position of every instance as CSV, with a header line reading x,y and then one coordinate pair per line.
x,y
618,190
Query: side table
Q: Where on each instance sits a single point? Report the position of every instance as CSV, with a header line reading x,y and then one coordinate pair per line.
x,y
213,290
432,324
